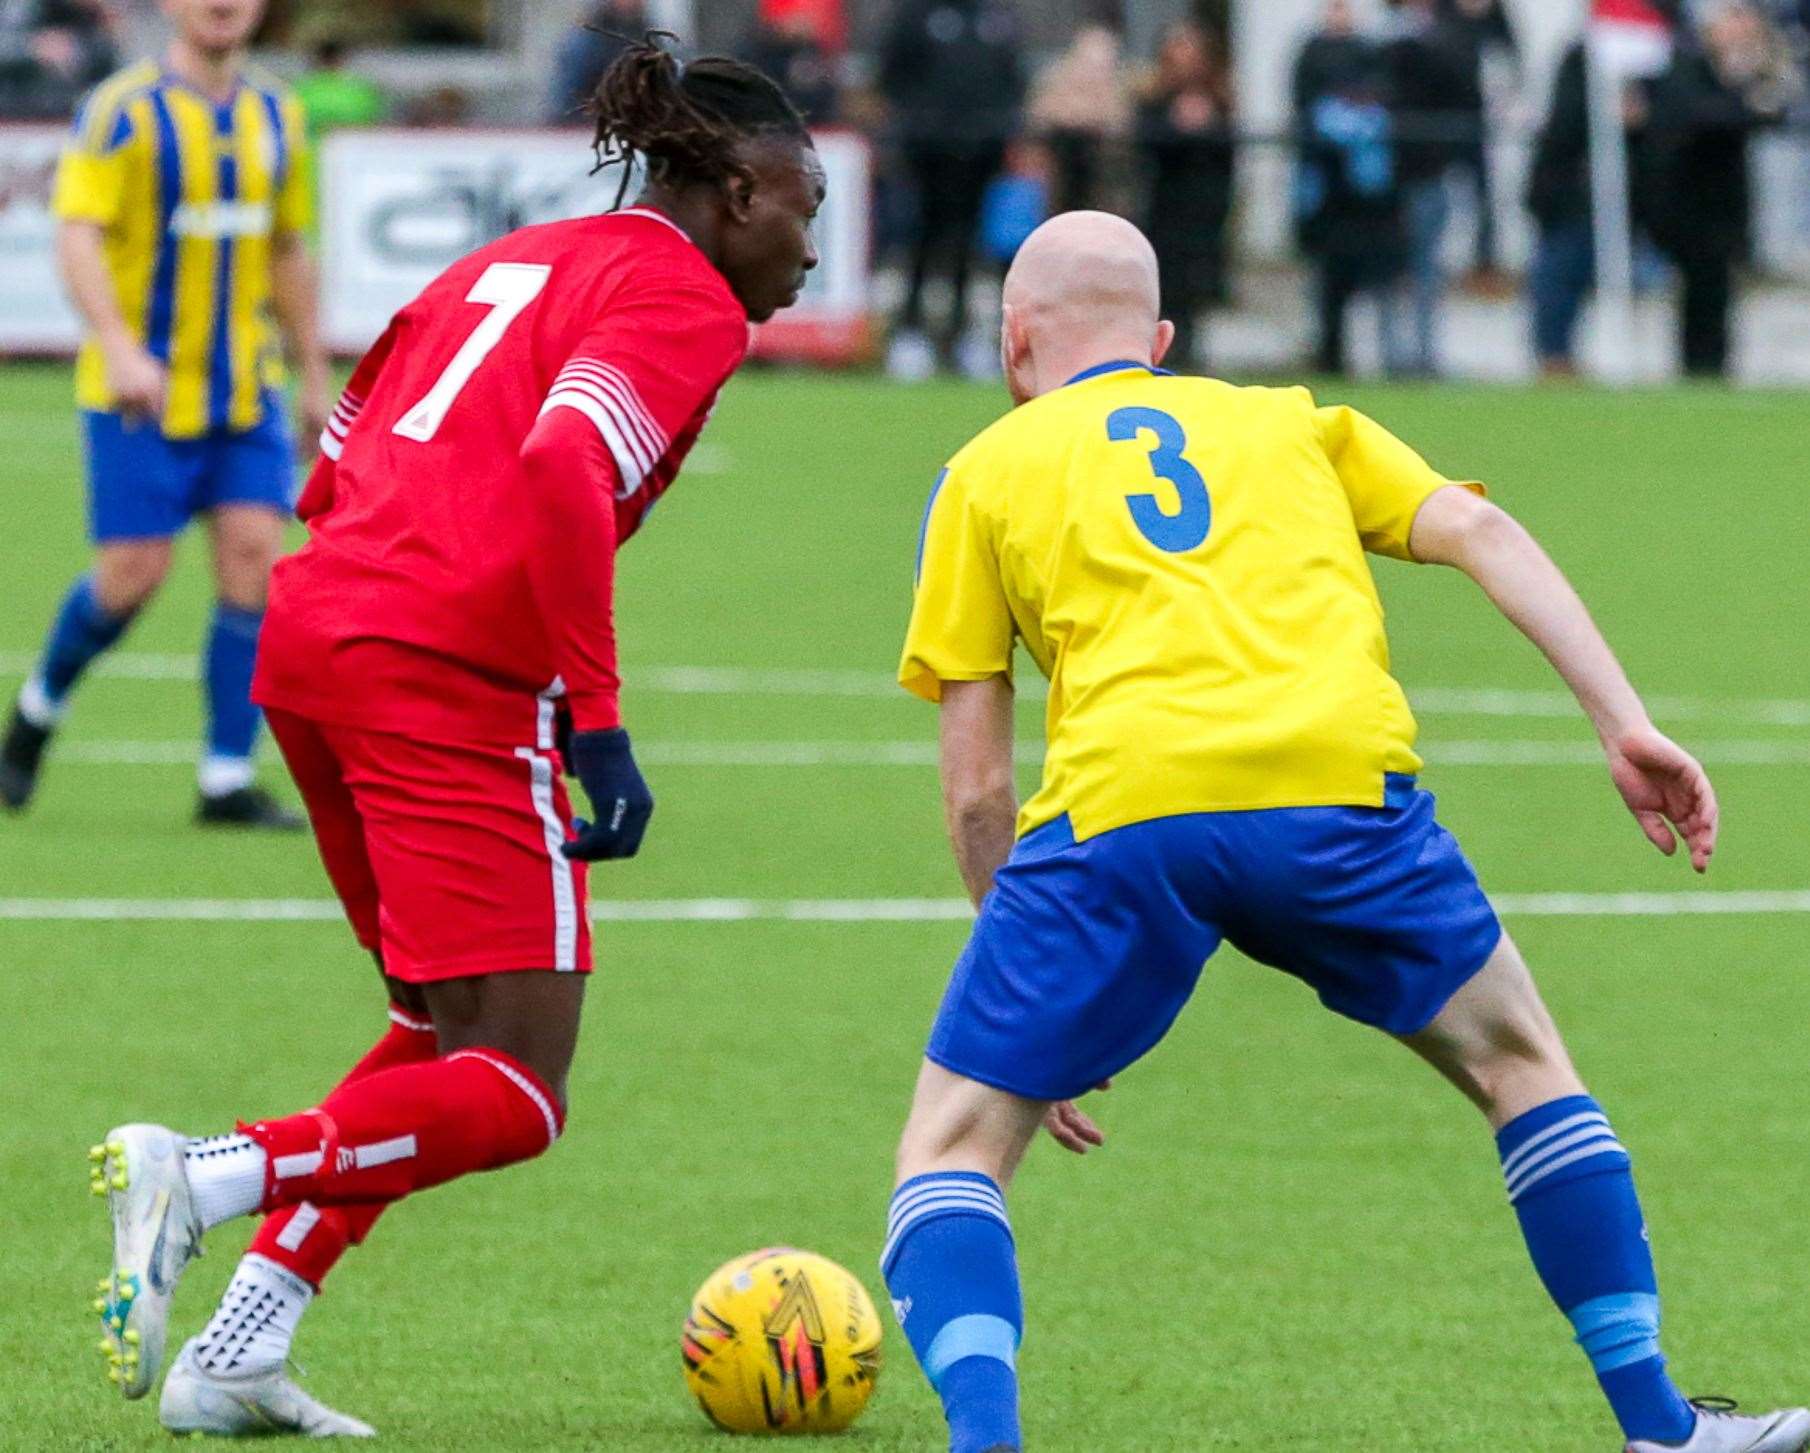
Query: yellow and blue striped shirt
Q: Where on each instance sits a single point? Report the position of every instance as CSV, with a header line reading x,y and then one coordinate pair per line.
x,y
189,195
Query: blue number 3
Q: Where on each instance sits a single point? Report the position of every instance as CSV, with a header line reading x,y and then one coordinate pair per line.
x,y
1187,528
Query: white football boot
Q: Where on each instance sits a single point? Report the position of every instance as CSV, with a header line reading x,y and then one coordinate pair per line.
x,y
1720,1429
255,1405
139,1169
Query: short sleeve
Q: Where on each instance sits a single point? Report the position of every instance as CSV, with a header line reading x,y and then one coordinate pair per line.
x,y
91,176
961,622
1385,480
295,195
650,367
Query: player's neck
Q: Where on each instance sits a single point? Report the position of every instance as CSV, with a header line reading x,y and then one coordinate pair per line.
x,y
215,74
1060,369
691,211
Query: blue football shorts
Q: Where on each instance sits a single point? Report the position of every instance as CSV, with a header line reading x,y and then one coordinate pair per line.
x,y
143,486
1085,952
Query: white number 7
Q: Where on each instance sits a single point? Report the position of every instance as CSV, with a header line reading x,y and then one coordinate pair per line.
x,y
508,288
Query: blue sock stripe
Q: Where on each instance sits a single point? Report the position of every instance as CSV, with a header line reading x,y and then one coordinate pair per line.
x,y
936,1213
1533,1157
904,1205
1536,1145
1604,1145
971,1336
951,1180
931,1197
1618,1331
935,1204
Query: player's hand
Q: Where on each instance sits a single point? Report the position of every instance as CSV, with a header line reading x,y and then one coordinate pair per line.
x,y
1073,1128
605,765
1668,791
138,381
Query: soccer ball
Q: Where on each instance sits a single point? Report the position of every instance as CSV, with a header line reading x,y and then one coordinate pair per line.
x,y
781,1341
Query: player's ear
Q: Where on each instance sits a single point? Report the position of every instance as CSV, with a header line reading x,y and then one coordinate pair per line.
x,y
1165,340
739,188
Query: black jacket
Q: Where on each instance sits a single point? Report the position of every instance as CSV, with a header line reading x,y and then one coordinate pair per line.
x,y
1558,185
1435,97
953,72
1695,194
1189,173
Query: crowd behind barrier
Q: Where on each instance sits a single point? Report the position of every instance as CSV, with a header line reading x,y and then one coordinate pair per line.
x,y
1400,124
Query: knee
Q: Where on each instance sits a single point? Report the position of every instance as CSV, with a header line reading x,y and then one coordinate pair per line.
x,y
1515,1062
127,576
243,560
244,575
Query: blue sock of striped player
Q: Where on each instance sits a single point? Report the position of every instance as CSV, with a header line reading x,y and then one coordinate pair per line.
x,y
81,631
953,1274
232,653
1572,1185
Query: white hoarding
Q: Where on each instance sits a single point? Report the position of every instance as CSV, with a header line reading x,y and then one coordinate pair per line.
x,y
34,317
399,206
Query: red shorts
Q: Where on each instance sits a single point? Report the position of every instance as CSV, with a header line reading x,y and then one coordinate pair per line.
x,y
446,857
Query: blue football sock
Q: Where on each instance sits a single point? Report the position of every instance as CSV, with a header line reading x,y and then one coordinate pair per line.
x,y
81,631
232,654
950,1266
1572,1185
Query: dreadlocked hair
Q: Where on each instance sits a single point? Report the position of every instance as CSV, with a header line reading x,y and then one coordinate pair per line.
x,y
685,122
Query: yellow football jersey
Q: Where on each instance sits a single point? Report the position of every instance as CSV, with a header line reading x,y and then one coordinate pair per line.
x,y
1184,561
190,195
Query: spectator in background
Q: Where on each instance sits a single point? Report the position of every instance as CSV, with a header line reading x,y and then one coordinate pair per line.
x,y
51,52
788,45
1558,197
1186,140
1082,105
1333,54
1430,65
1483,30
589,49
1348,206
953,76
1698,202
333,96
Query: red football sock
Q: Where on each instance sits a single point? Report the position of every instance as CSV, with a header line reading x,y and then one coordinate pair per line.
x,y
309,1239
405,1129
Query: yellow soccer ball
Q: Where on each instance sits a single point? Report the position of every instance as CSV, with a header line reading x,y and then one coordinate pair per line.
x,y
781,1341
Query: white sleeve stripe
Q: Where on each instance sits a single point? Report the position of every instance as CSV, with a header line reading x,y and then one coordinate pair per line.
x,y
634,398
337,429
330,446
644,457
626,462
610,376
653,443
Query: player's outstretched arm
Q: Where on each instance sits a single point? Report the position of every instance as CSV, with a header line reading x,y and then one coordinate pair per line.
x,y
980,798
1664,787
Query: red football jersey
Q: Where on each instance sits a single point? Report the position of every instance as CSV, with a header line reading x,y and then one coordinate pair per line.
x,y
512,427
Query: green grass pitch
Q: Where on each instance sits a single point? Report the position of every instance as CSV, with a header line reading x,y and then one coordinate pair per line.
x,y
1296,1236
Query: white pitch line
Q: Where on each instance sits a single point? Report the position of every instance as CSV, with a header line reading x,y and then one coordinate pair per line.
x,y
922,754
843,910
828,682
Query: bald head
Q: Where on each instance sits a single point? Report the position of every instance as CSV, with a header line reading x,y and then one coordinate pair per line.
x,y
1084,286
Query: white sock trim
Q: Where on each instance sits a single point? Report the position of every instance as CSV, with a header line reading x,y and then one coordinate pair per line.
x,y
221,775
36,706
225,1175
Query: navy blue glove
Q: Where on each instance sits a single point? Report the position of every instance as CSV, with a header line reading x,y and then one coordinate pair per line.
x,y
605,766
